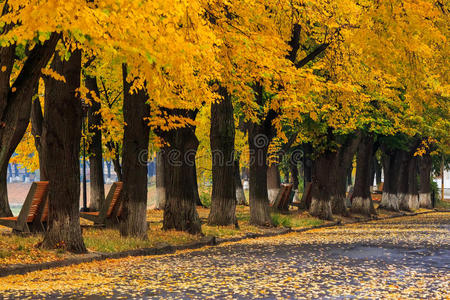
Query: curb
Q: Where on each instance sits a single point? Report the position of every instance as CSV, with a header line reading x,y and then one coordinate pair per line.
x,y
20,269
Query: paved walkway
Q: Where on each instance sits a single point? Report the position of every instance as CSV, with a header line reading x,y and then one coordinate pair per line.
x,y
402,258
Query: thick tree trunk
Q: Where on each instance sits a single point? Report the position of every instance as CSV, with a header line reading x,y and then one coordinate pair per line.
x,y
329,179
341,165
320,194
61,149
410,193
134,161
391,165
97,182
179,159
273,182
425,166
223,197
160,188
259,139
240,195
15,104
362,200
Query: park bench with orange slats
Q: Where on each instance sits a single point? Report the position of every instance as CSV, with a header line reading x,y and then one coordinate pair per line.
x,y
284,197
34,212
110,211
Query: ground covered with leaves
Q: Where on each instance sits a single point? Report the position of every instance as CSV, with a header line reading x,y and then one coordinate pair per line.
x,y
398,258
16,249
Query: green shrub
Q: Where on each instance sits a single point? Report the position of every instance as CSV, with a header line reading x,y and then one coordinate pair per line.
x,y
205,198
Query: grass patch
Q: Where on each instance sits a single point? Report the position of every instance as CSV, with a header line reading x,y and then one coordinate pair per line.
x,y
443,204
295,220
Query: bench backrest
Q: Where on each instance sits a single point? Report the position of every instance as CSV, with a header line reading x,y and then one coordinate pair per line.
x,y
115,197
34,201
44,215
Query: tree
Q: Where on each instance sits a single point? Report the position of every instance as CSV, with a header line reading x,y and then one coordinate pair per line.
x,y
16,99
361,197
97,188
223,198
135,155
61,138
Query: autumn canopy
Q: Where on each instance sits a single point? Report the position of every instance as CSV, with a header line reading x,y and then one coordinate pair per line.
x,y
244,83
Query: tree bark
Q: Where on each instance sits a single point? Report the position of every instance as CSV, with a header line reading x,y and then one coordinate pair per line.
x,y
259,137
258,140
61,149
179,160
160,188
341,165
320,193
425,166
362,200
5,210
329,179
133,220
410,191
273,182
391,164
97,182
222,133
15,104
240,195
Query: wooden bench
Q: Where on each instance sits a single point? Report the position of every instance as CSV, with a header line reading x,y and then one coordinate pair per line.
x,y
34,212
284,197
110,211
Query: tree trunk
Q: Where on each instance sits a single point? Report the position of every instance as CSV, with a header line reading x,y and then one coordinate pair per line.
x,y
223,197
320,194
410,193
329,179
97,182
179,159
15,104
134,161
5,210
362,200
341,165
259,202
240,195
425,166
273,182
378,171
307,166
198,201
61,149
160,188
294,174
391,165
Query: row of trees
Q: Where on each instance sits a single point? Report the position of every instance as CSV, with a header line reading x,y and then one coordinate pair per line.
x,y
248,80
